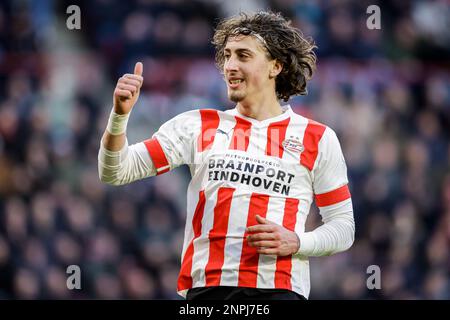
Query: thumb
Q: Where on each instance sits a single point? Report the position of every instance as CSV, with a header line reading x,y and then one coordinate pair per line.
x,y
260,219
138,68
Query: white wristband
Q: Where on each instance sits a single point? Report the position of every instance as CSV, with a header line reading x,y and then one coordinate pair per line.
x,y
117,123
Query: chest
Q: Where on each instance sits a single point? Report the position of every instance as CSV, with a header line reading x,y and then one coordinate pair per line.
x,y
255,159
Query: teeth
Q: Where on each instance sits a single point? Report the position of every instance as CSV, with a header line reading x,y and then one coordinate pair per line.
x,y
235,81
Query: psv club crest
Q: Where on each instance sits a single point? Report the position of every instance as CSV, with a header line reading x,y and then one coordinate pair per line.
x,y
293,144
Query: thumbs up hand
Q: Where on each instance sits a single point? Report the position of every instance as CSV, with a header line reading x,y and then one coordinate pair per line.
x,y
127,90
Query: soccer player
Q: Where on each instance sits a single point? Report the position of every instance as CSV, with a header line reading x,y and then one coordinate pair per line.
x,y
255,168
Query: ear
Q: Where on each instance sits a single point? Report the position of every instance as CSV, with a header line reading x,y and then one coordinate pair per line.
x,y
276,68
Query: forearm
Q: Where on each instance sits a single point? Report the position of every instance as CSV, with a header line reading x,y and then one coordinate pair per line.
x,y
335,235
128,164
113,142
119,164
114,136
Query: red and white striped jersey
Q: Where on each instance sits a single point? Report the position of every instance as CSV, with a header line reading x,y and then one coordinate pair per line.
x,y
242,167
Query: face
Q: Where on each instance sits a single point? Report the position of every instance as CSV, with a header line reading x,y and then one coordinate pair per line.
x,y
247,70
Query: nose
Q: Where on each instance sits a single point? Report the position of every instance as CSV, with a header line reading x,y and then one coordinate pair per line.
x,y
231,64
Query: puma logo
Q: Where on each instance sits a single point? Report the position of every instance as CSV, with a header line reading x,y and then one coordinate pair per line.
x,y
223,132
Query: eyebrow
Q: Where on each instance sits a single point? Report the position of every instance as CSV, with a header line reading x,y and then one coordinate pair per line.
x,y
240,50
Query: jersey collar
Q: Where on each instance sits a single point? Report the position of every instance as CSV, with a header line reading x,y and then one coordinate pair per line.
x,y
287,111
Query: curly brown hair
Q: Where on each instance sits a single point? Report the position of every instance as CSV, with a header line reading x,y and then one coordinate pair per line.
x,y
283,42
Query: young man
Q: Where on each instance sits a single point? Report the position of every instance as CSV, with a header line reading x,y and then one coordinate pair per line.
x,y
255,169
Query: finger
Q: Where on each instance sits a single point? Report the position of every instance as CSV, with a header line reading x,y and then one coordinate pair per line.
x,y
128,87
262,236
260,228
138,68
260,219
263,220
267,251
123,93
264,244
133,82
133,76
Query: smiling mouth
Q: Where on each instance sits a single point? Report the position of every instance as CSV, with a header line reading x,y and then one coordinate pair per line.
x,y
235,83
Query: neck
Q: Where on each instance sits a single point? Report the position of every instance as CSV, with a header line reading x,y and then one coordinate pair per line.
x,y
260,109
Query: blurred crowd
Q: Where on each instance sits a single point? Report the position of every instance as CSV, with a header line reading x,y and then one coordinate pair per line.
x,y
385,92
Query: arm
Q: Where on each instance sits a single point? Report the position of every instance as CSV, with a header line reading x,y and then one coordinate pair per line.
x,y
332,196
335,235
117,163
125,96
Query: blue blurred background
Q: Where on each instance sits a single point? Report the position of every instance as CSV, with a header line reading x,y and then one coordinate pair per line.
x,y
385,92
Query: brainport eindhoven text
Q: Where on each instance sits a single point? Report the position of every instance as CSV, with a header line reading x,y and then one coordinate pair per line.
x,y
256,175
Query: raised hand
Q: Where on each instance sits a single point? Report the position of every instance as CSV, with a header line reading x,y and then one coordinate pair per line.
x,y
127,90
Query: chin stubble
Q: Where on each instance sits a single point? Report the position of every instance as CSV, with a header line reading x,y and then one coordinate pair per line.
x,y
236,96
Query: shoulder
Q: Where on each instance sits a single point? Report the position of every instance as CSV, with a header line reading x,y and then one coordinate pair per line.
x,y
314,127
192,121
314,132
199,114
319,139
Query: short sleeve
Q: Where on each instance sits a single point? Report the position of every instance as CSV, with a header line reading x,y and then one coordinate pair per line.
x,y
330,182
174,143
